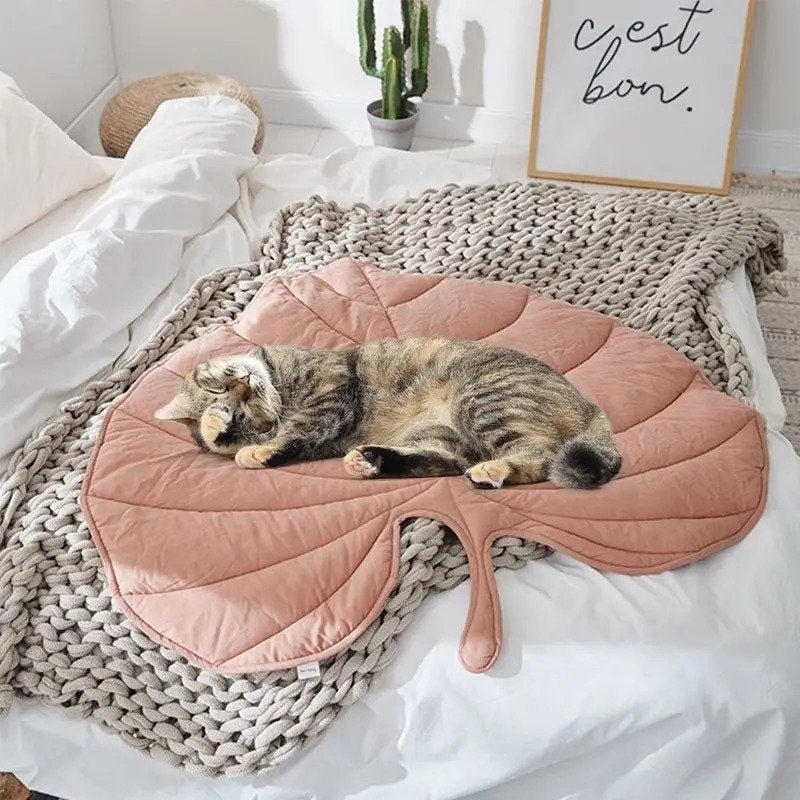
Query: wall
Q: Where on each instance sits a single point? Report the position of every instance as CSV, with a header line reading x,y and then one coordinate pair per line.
x,y
769,135
312,45
302,56
61,55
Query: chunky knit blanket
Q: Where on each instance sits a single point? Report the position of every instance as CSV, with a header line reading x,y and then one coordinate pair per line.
x,y
648,259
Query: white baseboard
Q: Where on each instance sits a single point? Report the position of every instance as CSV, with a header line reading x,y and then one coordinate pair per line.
x,y
756,151
84,129
438,120
762,151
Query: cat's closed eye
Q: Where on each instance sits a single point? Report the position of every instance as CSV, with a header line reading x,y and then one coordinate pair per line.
x,y
209,383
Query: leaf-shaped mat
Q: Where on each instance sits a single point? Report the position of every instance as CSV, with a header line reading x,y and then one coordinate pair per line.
x,y
248,570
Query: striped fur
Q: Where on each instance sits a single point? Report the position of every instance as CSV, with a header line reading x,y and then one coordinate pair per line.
x,y
400,408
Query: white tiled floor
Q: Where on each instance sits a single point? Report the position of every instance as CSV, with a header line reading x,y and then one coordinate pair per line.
x,y
281,139
509,161
330,140
474,152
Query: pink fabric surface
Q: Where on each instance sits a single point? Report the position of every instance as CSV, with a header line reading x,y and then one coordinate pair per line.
x,y
247,570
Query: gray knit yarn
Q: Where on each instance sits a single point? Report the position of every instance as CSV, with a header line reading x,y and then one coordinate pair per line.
x,y
648,259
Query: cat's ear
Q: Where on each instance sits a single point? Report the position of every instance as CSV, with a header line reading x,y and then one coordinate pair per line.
x,y
179,407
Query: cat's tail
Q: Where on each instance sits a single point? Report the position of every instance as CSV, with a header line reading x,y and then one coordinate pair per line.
x,y
588,460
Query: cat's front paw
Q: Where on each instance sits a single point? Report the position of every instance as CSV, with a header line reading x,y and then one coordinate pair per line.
x,y
215,421
488,474
362,463
254,456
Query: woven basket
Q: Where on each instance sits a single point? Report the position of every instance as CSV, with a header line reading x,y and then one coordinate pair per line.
x,y
132,108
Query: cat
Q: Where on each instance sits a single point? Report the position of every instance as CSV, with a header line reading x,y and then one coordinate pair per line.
x,y
400,408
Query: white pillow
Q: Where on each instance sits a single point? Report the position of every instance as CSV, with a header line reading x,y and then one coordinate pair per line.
x,y
40,166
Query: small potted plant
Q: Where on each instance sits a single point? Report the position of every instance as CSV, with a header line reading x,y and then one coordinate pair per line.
x,y
393,117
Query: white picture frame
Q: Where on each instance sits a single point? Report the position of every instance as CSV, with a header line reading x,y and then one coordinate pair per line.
x,y
642,93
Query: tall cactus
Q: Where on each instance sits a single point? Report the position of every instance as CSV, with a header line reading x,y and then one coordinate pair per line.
x,y
420,49
415,38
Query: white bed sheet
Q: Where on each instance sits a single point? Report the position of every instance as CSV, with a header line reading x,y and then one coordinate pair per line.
x,y
680,685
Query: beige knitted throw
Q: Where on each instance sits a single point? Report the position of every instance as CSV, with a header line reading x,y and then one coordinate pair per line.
x,y
648,259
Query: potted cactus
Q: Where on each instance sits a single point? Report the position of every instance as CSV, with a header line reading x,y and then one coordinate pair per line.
x,y
394,116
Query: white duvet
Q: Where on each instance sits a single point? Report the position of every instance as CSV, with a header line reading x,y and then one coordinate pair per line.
x,y
681,685
67,308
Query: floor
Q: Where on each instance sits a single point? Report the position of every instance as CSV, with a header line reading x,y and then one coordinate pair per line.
x,y
509,161
780,316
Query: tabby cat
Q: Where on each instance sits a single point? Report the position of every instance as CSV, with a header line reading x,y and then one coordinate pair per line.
x,y
400,408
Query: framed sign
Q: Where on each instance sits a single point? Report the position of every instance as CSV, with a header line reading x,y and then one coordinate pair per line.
x,y
639,92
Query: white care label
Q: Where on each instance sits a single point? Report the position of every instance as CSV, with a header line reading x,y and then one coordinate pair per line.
x,y
306,672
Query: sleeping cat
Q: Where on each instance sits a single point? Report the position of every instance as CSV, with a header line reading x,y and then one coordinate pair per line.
x,y
400,408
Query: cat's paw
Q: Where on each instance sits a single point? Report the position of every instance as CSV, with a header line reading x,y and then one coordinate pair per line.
x,y
215,421
254,456
362,463
488,474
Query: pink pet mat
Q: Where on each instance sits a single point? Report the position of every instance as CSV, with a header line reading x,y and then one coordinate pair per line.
x,y
249,570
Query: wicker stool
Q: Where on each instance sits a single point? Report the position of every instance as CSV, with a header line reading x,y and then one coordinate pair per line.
x,y
131,109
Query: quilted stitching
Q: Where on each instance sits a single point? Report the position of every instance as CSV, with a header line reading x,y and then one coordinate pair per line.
x,y
214,563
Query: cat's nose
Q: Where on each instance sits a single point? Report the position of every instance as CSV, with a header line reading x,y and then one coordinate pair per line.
x,y
244,380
